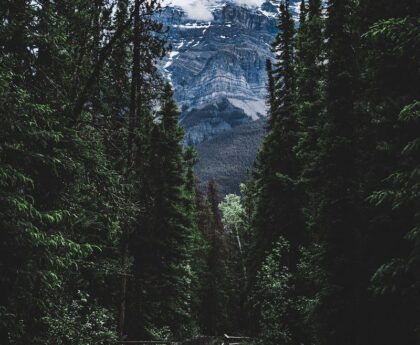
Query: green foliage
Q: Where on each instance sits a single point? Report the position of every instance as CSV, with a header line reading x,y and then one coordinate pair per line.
x,y
397,276
272,297
64,195
232,214
276,174
169,239
80,322
215,317
36,234
342,153
236,228
100,208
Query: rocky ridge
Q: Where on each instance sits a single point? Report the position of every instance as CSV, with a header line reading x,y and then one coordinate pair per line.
x,y
217,68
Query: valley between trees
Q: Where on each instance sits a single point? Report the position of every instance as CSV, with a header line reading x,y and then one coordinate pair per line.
x,y
105,235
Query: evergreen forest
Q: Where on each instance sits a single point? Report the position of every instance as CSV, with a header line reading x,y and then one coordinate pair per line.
x,y
105,234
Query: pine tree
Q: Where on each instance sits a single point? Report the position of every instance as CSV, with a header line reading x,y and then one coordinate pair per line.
x,y
310,57
215,314
277,210
355,162
272,103
164,256
198,247
66,207
135,136
339,219
310,107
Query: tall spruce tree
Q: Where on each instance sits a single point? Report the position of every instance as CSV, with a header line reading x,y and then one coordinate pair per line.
x,y
215,300
277,210
145,34
164,257
309,62
198,246
339,199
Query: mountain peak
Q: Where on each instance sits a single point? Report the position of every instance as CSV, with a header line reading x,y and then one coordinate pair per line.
x,y
204,9
217,65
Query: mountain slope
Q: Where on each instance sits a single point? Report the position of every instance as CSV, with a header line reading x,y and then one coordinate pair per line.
x,y
228,157
217,68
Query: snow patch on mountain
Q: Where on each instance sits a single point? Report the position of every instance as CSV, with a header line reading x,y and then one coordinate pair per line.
x,y
254,108
203,9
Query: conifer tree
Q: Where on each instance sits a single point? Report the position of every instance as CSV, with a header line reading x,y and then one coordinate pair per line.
x,y
198,246
215,317
135,136
278,210
354,155
63,169
165,244
310,57
66,210
386,146
339,219
277,168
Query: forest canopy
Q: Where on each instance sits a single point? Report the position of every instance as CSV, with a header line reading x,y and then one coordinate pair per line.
x,y
105,234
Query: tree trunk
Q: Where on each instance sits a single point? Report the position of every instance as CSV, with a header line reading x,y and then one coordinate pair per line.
x,y
130,143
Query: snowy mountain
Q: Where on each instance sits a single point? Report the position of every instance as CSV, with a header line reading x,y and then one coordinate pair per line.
x,y
217,64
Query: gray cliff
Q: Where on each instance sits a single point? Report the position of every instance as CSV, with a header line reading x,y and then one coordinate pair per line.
x,y
217,69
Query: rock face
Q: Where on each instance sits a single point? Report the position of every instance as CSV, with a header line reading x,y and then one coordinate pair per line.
x,y
217,68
